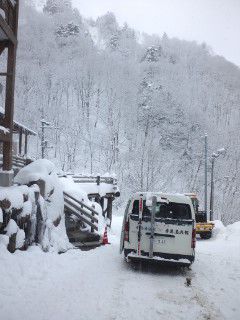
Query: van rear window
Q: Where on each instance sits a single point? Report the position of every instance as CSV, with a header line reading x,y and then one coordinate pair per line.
x,y
169,210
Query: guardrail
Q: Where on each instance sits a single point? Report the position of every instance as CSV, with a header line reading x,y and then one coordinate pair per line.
x,y
82,211
90,179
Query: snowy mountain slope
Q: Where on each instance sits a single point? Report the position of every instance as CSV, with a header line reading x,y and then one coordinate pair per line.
x,y
98,284
138,109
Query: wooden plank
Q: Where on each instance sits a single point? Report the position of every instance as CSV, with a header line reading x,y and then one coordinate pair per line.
x,y
81,210
81,203
87,179
26,144
20,143
5,137
8,31
76,213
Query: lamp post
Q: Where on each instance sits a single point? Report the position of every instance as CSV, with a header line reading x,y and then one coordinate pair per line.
x,y
205,173
215,155
44,125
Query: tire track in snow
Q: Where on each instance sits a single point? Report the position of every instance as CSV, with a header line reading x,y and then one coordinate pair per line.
x,y
210,311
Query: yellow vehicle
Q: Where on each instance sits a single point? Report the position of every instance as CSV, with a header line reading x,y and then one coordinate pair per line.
x,y
203,227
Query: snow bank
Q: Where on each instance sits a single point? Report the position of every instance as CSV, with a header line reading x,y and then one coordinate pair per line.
x,y
230,232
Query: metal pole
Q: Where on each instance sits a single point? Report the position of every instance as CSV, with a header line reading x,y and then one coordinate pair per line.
x,y
206,162
43,140
212,190
153,214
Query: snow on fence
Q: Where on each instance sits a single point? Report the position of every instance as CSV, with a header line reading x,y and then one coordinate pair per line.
x,y
82,211
95,185
95,190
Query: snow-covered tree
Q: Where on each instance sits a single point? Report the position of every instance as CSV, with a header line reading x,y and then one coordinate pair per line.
x,y
57,6
139,109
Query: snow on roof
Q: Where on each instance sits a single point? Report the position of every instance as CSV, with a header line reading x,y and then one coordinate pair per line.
x,y
172,197
18,125
24,128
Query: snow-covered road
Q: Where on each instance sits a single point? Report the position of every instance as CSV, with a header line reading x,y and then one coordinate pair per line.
x,y
99,285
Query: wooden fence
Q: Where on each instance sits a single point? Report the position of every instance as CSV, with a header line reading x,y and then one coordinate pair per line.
x,y
82,211
17,162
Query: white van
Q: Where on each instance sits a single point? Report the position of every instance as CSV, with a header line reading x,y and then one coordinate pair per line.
x,y
159,226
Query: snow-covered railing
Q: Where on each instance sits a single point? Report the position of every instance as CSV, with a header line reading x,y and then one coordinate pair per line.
x,y
83,212
95,185
18,162
91,179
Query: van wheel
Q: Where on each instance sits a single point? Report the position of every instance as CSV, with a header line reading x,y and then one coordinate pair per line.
x,y
206,235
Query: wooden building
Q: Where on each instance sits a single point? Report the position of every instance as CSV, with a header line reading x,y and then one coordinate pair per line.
x,y
8,43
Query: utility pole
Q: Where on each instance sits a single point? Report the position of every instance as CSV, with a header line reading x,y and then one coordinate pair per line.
x,y
206,162
215,155
44,125
212,189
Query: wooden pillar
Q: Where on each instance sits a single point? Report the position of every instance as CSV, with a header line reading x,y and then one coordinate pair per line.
x,y
109,209
9,106
10,85
97,198
102,202
26,144
20,143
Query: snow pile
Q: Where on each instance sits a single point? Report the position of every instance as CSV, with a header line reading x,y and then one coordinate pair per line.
x,y
43,173
41,169
229,233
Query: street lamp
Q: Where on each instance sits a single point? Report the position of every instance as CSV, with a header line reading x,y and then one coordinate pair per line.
x,y
215,155
44,125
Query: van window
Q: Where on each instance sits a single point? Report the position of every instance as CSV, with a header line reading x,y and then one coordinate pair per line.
x,y
173,210
169,210
135,210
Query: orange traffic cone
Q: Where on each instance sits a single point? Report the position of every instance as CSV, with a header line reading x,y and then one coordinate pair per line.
x,y
105,237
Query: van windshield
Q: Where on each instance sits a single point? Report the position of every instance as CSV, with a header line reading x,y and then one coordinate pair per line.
x,y
169,210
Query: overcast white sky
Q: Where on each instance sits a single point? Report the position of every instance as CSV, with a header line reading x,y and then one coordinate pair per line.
x,y
217,22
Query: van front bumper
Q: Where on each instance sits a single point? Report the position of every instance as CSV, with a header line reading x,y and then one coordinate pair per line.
x,y
179,259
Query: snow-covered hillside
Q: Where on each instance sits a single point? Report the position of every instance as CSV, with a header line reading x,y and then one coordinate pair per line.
x,y
99,285
139,109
